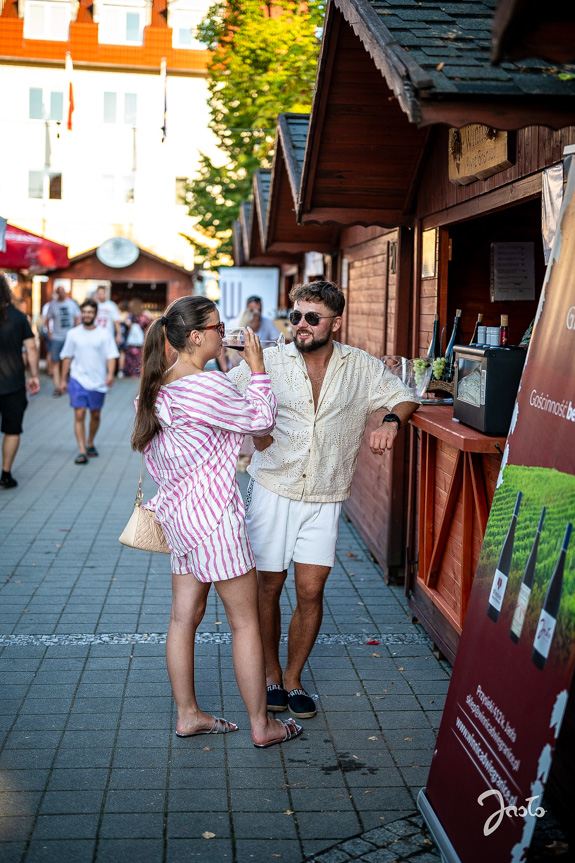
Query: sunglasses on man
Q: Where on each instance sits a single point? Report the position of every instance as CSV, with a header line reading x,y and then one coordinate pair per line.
x,y
311,318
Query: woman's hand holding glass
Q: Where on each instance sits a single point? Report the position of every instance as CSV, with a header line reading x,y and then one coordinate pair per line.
x,y
253,351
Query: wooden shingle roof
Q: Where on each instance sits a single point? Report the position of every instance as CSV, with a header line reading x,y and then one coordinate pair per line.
x,y
435,53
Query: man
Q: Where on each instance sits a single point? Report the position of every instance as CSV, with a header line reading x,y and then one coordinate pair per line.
x,y
108,315
63,314
89,354
264,327
302,473
15,333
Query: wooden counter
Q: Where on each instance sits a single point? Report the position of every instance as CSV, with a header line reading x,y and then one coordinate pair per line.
x,y
457,472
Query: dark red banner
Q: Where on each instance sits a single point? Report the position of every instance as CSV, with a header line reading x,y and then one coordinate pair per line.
x,y
516,657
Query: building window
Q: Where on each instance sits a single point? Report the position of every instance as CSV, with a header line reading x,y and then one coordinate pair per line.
x,y
184,24
181,183
130,108
57,106
37,109
122,25
55,187
109,107
36,185
47,19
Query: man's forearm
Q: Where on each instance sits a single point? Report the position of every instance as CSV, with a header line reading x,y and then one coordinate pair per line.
x,y
66,367
404,411
32,352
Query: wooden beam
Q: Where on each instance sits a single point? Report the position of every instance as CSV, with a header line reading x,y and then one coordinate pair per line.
x,y
447,515
352,216
501,113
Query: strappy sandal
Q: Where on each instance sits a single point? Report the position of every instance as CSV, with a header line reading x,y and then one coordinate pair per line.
x,y
220,726
292,729
81,458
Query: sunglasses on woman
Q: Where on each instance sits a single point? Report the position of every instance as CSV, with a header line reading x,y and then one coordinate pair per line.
x,y
311,318
221,328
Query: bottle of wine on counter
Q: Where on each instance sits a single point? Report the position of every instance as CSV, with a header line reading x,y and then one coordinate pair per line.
x,y
548,616
454,339
502,571
474,337
526,586
504,330
435,343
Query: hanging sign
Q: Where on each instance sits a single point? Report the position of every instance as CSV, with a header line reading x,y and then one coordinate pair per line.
x,y
515,661
477,152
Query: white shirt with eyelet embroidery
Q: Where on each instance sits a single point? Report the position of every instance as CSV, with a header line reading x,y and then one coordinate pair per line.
x,y
314,452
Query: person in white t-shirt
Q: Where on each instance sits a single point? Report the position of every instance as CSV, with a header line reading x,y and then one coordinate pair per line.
x,y
108,315
63,314
90,355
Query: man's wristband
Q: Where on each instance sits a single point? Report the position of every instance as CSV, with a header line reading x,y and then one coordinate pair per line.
x,y
392,418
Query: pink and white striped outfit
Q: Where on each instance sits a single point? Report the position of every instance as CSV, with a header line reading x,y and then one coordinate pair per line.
x,y
193,460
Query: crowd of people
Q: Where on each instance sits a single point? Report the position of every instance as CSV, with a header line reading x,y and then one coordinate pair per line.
x,y
305,407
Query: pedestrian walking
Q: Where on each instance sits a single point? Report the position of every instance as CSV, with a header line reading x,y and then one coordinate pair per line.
x,y
63,314
190,425
15,334
326,393
89,355
108,315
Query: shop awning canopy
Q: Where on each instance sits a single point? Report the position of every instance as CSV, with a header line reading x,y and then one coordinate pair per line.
x,y
27,251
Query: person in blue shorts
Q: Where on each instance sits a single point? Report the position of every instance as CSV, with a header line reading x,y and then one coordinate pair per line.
x,y
90,355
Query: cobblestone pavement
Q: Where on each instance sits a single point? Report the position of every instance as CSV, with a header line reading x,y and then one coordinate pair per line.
x,y
90,769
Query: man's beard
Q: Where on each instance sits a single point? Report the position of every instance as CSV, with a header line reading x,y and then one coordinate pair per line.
x,y
312,344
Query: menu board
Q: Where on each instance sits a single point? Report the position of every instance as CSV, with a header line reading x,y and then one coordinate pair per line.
x,y
512,271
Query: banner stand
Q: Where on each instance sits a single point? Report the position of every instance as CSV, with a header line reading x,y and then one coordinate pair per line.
x,y
440,837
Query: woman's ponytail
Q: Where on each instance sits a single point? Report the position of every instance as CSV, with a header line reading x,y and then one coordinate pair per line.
x,y
154,368
180,319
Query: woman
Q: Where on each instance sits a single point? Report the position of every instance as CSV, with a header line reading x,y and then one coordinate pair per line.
x,y
190,425
138,322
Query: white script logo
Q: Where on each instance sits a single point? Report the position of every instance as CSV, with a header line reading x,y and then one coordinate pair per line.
x,y
494,820
571,318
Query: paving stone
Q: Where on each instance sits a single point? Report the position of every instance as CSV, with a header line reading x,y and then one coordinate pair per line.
x,y
336,855
61,851
124,850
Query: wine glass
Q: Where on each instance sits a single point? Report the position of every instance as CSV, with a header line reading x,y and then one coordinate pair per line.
x,y
234,339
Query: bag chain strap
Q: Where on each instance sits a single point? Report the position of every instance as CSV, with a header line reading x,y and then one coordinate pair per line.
x,y
139,493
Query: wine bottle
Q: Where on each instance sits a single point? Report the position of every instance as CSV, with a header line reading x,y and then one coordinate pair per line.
x,y
474,339
504,330
502,571
526,586
435,343
454,339
548,616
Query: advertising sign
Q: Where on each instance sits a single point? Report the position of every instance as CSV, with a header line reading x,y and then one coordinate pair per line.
x,y
515,661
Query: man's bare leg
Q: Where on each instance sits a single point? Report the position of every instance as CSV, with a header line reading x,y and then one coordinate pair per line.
x,y
94,426
79,429
306,620
270,586
10,444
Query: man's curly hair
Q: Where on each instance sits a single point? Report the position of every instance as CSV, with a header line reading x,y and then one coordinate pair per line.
x,y
320,292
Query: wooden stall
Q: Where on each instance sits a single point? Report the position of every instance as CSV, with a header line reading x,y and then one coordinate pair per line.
x,y
153,280
428,157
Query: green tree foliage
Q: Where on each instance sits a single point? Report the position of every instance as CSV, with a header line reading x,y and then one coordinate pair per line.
x,y
264,63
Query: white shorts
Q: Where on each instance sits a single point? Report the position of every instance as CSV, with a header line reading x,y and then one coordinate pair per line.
x,y
282,530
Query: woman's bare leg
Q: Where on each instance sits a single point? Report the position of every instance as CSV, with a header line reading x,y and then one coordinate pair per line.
x,y
240,598
189,597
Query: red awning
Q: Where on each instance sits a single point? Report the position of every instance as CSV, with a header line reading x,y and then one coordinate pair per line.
x,y
26,251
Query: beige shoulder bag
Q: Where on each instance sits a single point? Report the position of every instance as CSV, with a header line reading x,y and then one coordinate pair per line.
x,y
142,530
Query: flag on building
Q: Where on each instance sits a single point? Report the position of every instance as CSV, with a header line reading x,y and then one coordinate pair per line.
x,y
164,79
69,71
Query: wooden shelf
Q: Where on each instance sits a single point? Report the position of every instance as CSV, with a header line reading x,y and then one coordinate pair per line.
x,y
438,421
